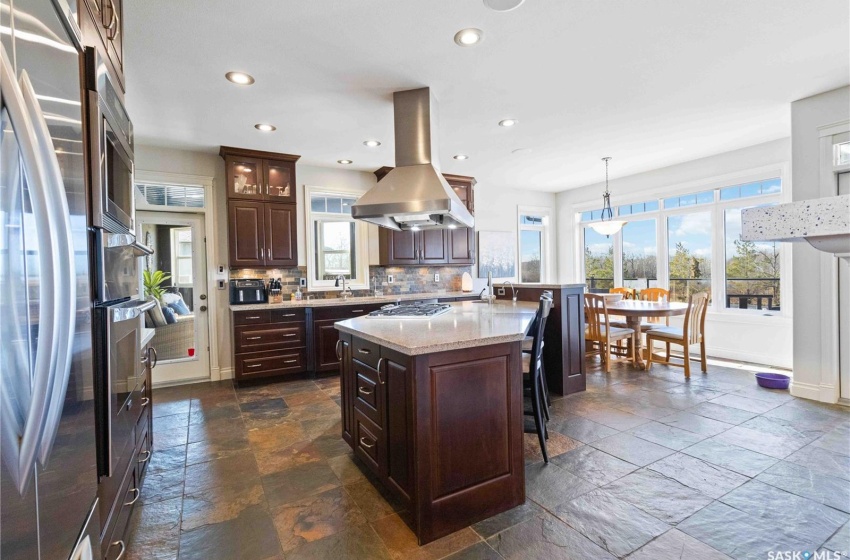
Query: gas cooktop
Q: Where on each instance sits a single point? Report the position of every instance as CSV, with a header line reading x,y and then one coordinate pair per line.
x,y
411,310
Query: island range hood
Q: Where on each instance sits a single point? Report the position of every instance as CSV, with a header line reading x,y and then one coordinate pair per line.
x,y
414,195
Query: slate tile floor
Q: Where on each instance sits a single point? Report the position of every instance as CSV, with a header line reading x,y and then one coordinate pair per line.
x,y
644,466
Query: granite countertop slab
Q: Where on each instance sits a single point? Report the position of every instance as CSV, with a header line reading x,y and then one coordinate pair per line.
x,y
336,302
466,325
794,221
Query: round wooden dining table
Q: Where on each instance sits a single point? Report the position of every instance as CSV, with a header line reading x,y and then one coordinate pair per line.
x,y
635,310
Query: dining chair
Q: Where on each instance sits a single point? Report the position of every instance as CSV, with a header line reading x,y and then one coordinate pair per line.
x,y
533,374
628,293
599,330
691,332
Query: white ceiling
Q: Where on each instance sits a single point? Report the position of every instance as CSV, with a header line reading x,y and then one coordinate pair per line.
x,y
650,82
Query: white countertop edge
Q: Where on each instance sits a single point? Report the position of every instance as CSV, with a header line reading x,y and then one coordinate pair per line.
x,y
434,348
336,302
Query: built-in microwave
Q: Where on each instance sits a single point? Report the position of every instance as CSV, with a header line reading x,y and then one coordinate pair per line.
x,y
111,145
116,266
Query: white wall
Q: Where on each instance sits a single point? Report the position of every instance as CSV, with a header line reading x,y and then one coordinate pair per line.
x,y
814,374
495,210
766,340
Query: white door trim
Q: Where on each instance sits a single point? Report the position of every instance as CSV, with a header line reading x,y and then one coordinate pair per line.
x,y
209,211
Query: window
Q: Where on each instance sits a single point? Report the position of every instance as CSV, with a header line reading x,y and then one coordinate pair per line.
x,y
751,269
637,208
181,257
533,244
598,261
174,196
336,242
689,254
771,186
640,255
704,197
591,216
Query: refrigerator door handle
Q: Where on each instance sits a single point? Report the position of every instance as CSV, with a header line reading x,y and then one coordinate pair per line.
x,y
63,272
21,448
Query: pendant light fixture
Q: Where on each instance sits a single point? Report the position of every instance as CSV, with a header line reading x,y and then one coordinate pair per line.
x,y
608,226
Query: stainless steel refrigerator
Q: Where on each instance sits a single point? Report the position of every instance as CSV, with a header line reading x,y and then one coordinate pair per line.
x,y
48,460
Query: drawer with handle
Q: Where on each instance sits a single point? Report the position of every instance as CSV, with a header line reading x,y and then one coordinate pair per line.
x,y
368,391
340,312
367,352
115,545
287,315
251,317
270,337
261,364
369,442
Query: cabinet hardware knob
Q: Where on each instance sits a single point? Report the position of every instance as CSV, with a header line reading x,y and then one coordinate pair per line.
x,y
254,317
380,363
254,338
338,351
364,391
147,457
254,365
155,360
289,314
135,499
145,401
290,361
364,444
289,335
364,350
357,311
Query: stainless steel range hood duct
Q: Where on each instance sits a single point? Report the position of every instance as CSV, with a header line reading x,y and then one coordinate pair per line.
x,y
414,195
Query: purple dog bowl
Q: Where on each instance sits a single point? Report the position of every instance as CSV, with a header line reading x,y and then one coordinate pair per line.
x,y
773,380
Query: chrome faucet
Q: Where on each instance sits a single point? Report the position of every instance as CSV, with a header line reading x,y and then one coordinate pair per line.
x,y
345,293
514,291
375,291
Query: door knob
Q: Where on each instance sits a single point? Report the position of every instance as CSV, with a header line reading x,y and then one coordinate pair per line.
x,y
203,296
203,308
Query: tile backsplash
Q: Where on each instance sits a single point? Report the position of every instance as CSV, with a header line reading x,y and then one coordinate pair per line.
x,y
406,280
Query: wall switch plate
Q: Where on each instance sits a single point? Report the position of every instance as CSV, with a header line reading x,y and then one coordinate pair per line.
x,y
390,279
222,284
436,277
500,292
302,282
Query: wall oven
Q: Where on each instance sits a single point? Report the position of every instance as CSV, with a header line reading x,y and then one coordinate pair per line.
x,y
111,145
121,397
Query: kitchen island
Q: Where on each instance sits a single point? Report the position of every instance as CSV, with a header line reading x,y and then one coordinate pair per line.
x,y
433,406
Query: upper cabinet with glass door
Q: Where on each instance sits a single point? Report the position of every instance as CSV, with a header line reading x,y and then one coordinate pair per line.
x,y
260,176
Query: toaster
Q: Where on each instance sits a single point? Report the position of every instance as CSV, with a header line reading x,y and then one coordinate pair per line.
x,y
247,290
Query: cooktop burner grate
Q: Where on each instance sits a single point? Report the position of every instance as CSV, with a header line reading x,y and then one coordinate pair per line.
x,y
411,310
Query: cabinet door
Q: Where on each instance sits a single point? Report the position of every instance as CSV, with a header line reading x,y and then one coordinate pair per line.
x,y
433,246
398,247
325,337
246,226
398,425
113,23
245,178
281,248
461,246
346,392
279,181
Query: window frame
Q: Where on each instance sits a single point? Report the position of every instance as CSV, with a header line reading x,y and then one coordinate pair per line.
x,y
361,241
717,209
176,258
545,240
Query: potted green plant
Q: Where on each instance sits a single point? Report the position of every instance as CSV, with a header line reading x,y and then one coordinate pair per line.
x,y
153,282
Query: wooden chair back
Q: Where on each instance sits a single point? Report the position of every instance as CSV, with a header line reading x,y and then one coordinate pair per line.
x,y
596,316
654,294
628,293
694,326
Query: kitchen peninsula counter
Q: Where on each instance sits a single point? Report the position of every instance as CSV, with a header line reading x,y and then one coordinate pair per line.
x,y
433,407
358,300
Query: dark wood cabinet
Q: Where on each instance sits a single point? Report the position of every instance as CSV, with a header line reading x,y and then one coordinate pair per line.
x,y
269,343
325,336
246,233
261,208
280,235
431,247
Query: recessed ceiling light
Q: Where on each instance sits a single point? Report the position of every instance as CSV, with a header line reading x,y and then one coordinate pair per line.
x,y
461,156
503,5
240,78
265,127
521,151
508,122
344,161
371,143
469,37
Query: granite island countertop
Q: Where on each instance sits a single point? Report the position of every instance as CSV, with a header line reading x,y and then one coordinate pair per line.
x,y
335,302
466,325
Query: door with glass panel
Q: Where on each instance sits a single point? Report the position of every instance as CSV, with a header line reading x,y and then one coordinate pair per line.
x,y
175,276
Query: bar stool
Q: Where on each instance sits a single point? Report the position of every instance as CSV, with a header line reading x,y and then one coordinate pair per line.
x,y
533,373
